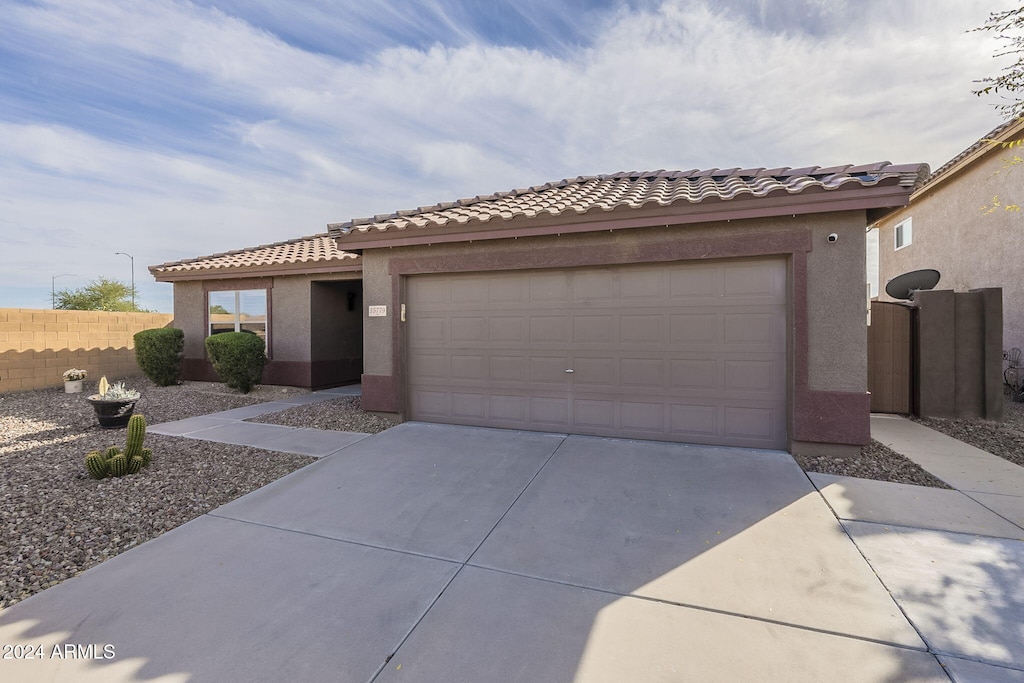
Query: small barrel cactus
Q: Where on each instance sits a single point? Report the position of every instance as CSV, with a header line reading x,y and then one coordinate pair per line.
x,y
96,465
147,456
112,451
118,465
134,464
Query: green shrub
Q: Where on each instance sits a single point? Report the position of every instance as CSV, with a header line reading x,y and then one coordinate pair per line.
x,y
238,359
158,353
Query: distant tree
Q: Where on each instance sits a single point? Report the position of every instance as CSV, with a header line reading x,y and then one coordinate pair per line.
x,y
218,309
98,295
1009,27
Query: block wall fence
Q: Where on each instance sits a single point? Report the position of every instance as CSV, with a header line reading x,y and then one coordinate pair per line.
x,y
37,346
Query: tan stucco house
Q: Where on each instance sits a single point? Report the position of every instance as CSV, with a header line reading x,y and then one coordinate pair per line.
x,y
958,224
716,306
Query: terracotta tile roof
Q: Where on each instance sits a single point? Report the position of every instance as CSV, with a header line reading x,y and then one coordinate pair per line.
x,y
315,249
635,189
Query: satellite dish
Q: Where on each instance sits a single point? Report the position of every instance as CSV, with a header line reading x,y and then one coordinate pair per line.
x,y
904,286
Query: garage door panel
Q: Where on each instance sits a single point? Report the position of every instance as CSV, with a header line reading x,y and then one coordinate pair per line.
x,y
593,286
468,329
428,404
509,409
549,287
643,417
548,329
505,289
696,328
549,370
756,423
682,352
695,422
549,412
507,329
465,367
594,414
427,331
645,373
594,329
468,406
641,329
695,374
639,285
431,366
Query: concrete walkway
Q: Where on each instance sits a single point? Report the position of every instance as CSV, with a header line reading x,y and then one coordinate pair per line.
x,y
952,559
441,553
229,426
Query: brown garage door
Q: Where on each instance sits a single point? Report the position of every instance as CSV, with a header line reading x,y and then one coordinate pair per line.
x,y
691,352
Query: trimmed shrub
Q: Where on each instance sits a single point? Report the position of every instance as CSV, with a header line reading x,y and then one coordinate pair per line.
x,y
238,359
158,353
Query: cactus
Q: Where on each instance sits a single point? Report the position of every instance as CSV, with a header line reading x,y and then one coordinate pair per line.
x,y
116,463
96,465
103,386
136,435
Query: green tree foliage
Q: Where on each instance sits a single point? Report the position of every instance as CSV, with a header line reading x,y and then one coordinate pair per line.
x,y
1008,25
98,295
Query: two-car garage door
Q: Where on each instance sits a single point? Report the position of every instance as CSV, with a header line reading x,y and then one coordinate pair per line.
x,y
691,352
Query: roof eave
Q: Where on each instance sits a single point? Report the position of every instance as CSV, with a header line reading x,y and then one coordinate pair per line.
x,y
350,265
981,150
886,196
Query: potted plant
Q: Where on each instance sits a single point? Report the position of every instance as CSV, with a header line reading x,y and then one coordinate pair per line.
x,y
113,404
73,380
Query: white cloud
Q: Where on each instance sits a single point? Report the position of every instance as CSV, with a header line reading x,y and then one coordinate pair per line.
x,y
265,141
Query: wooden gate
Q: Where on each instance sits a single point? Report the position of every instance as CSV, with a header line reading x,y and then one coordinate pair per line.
x,y
890,357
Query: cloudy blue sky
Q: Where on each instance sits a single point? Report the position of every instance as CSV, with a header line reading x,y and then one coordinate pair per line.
x,y
170,129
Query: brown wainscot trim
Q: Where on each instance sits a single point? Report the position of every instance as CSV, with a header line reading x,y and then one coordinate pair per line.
x,y
842,417
380,394
280,372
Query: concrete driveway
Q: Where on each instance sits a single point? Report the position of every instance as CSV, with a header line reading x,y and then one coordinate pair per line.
x,y
441,553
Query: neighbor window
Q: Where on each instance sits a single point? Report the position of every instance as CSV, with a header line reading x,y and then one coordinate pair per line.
x,y
240,310
903,233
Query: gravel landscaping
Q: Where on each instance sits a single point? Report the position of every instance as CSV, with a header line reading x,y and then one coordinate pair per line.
x,y
342,415
58,522
876,461
1005,439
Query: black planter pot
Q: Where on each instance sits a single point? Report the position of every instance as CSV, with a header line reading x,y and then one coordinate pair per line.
x,y
113,413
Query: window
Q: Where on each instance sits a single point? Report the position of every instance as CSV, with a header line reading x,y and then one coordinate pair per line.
x,y
241,310
903,234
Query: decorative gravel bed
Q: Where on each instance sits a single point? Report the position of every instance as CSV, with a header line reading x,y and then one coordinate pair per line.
x,y
1005,439
876,461
58,522
343,415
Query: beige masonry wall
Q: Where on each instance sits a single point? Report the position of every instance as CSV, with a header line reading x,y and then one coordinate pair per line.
x,y
37,346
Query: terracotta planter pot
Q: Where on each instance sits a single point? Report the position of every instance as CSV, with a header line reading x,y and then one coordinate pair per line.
x,y
73,386
113,413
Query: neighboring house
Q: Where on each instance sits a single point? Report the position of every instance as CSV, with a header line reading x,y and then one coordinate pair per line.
x,y
717,307
303,296
953,226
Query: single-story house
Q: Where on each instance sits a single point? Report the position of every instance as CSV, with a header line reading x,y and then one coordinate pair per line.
x,y
715,306
957,223
303,296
